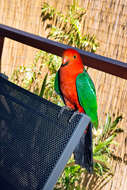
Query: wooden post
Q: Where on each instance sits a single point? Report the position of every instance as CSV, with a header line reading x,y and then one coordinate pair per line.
x,y
1,48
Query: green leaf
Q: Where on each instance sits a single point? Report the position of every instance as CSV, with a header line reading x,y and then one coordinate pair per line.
x,y
102,145
117,120
43,86
107,125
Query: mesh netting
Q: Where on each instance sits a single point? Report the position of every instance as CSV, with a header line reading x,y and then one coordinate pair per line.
x,y
31,136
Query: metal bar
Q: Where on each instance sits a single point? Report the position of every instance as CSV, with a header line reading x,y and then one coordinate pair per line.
x,y
95,61
32,40
1,48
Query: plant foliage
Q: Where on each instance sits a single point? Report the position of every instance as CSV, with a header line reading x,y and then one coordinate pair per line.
x,y
67,27
104,137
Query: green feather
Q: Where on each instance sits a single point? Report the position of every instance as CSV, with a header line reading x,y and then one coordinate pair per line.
x,y
56,84
87,96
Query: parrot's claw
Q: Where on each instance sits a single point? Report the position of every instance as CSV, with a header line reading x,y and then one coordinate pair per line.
x,y
62,110
73,115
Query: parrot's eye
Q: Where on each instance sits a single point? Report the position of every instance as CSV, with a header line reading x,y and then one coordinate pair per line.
x,y
74,56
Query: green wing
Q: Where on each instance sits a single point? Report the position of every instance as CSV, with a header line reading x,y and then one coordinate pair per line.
x,y
87,96
57,86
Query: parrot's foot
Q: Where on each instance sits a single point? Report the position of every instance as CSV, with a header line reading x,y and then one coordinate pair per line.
x,y
73,115
62,110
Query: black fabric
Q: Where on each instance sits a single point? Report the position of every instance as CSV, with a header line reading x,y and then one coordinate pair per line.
x,y
5,185
32,137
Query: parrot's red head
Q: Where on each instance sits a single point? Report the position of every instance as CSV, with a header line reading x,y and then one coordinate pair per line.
x,y
71,58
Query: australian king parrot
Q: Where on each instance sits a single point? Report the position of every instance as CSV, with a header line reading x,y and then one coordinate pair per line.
x,y
77,90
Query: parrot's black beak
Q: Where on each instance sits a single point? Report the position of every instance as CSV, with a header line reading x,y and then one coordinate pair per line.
x,y
65,62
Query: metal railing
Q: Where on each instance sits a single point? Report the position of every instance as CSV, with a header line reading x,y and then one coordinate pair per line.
x,y
95,61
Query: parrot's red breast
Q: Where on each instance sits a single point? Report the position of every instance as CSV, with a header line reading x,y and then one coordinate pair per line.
x,y
71,66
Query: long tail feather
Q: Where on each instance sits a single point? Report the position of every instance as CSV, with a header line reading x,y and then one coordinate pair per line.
x,y
83,153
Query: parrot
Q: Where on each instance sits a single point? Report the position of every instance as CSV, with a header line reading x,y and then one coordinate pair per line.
x,y
74,85
77,90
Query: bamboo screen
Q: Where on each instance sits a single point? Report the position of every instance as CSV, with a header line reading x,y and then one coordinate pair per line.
x,y
107,19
